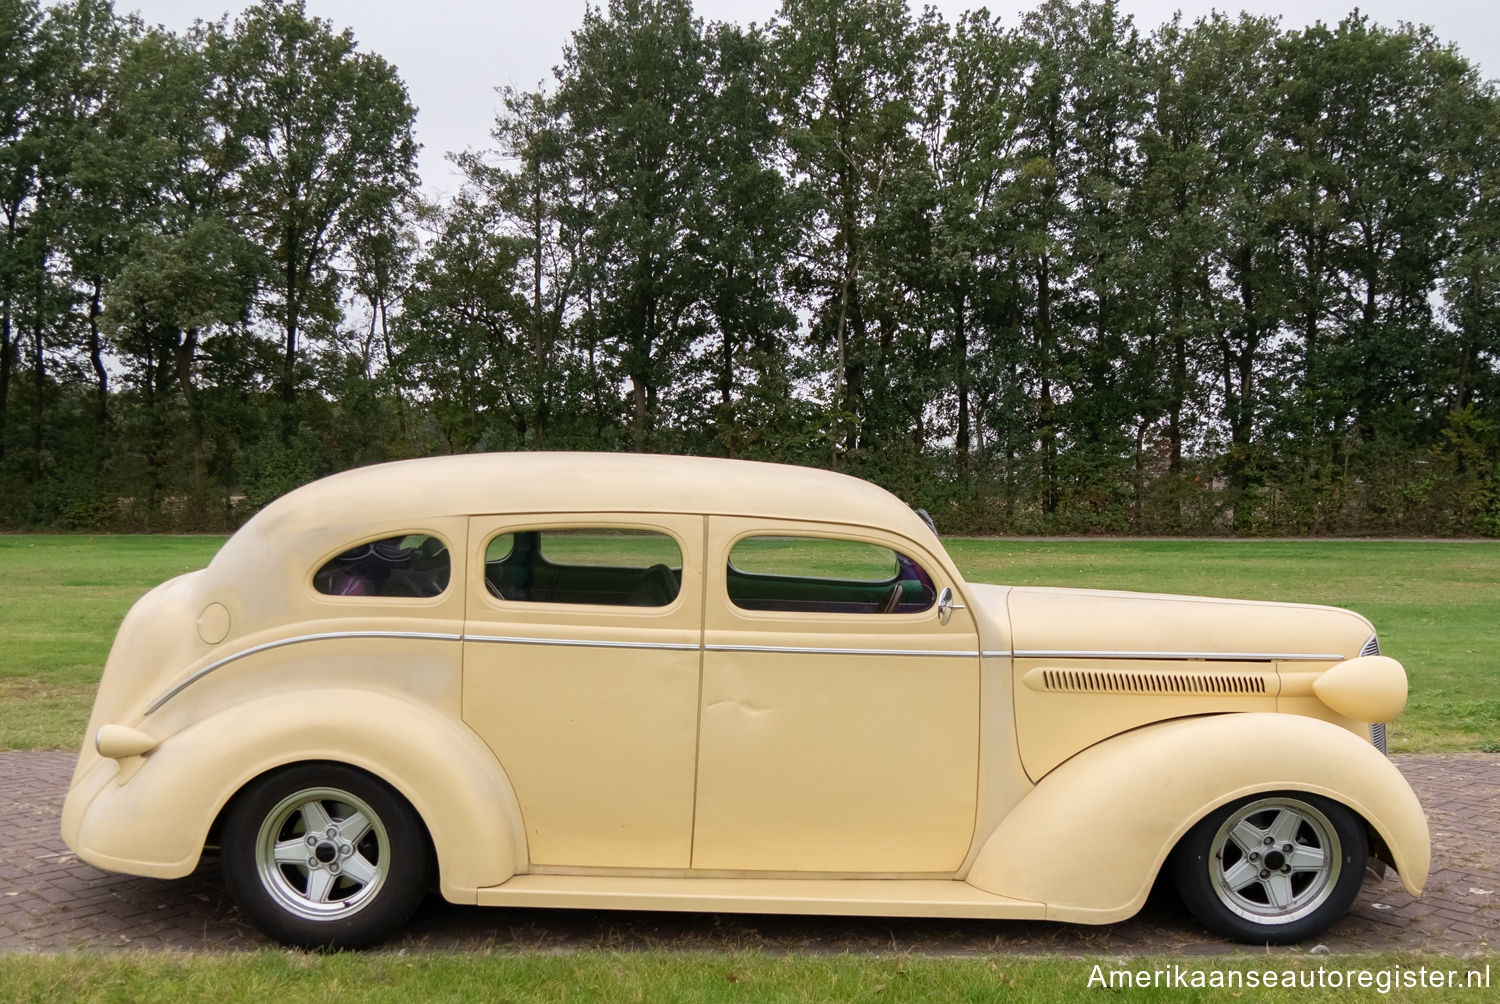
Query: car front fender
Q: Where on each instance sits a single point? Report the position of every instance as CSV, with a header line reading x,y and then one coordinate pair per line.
x,y
1092,835
151,815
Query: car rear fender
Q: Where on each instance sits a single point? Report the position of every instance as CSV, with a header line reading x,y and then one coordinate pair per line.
x,y
1092,835
152,817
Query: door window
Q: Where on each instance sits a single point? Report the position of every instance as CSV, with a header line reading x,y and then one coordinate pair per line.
x,y
825,575
603,566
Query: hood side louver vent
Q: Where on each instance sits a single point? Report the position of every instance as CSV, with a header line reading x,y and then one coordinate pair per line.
x,y
1372,647
1083,681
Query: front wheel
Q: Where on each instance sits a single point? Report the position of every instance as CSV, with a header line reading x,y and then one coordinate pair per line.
x,y
324,856
1272,868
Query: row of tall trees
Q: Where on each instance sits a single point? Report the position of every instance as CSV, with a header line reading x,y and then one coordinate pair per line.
x,y
1069,274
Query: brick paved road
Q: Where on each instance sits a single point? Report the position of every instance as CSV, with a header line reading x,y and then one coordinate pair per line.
x,y
49,901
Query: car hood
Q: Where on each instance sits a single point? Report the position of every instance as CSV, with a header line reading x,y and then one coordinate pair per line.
x,y
1047,622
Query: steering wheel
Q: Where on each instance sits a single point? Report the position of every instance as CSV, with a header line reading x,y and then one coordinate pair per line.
x,y
893,600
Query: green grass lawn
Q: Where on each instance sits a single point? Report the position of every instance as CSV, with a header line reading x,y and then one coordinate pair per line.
x,y
667,977
61,600
1437,606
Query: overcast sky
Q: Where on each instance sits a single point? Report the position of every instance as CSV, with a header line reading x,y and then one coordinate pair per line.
x,y
454,53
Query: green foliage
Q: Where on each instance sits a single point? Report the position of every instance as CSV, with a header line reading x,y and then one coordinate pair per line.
x,y
1069,275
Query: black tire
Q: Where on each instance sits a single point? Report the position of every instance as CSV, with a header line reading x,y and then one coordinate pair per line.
x,y
1272,868
321,855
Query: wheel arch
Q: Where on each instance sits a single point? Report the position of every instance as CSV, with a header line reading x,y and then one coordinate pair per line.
x,y
1155,783
216,828
455,786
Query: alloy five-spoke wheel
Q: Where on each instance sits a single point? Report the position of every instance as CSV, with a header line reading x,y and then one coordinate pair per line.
x,y
323,855
322,852
1272,868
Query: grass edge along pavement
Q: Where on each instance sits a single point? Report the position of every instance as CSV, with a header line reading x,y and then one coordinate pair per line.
x,y
1434,602
708,977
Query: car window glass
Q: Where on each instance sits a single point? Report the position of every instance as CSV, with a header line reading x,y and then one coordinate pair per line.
x,y
593,565
825,575
411,565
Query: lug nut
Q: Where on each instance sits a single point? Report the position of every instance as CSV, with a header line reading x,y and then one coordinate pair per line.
x,y
334,869
312,840
1269,841
1286,869
312,863
1255,855
1264,873
1287,848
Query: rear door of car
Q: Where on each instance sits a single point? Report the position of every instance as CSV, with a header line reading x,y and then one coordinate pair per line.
x,y
581,665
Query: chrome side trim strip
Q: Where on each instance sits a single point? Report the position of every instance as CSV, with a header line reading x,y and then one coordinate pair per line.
x,y
1205,656
841,651
498,639
999,653
297,639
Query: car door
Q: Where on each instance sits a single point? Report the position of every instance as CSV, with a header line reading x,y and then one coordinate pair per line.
x,y
581,662
839,716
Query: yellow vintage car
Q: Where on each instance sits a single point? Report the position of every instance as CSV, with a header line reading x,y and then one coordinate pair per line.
x,y
670,683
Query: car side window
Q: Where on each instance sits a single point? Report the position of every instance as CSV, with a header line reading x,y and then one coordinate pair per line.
x,y
410,565
825,575
603,566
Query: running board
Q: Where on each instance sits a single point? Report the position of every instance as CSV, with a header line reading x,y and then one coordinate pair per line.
x,y
842,897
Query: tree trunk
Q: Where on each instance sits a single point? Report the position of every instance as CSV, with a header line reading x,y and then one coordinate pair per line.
x,y
186,348
39,373
638,413
96,359
961,365
5,365
541,341
289,361
1239,401
1048,433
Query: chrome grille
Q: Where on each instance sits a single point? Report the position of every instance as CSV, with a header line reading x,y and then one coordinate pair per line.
x,y
1377,736
1372,647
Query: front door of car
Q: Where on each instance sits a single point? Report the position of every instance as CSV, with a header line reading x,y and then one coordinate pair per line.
x,y
581,661
840,707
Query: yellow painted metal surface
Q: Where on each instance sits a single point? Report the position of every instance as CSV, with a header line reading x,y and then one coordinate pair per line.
x,y
1368,689
156,822
844,742
1064,705
848,897
1091,837
592,718
1098,620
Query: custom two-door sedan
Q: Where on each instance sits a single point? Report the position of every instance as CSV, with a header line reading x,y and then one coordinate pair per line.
x,y
615,681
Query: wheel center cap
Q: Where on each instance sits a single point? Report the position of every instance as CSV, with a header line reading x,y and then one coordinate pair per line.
x,y
1274,860
326,852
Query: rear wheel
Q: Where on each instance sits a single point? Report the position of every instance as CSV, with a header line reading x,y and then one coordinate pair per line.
x,y
324,856
1272,868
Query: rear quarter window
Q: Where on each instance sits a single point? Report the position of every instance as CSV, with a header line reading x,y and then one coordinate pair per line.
x,y
414,565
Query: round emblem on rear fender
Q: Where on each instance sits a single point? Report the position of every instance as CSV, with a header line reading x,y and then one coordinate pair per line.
x,y
213,623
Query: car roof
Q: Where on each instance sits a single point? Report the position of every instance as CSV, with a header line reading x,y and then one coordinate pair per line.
x,y
409,491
